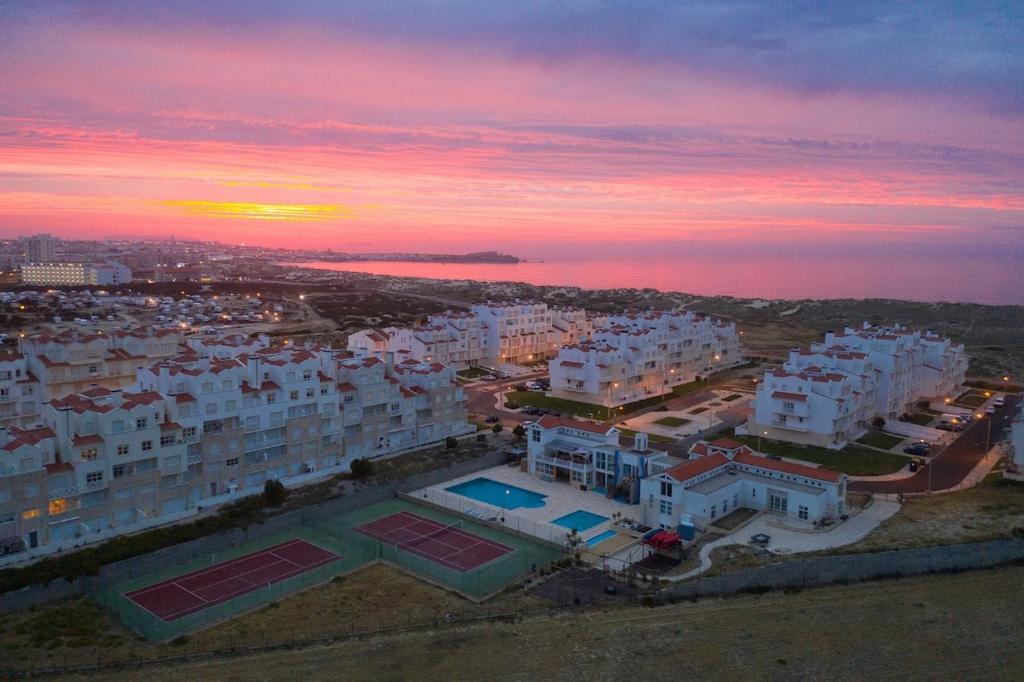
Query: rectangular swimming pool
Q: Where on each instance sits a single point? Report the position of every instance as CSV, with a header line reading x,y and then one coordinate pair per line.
x,y
601,537
579,520
498,494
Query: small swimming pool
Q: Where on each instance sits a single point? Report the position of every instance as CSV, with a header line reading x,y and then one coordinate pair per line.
x,y
498,494
579,520
601,537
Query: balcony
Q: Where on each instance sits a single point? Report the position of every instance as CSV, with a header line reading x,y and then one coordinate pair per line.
x,y
790,425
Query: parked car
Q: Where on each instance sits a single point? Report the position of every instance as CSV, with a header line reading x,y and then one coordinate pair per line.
x,y
991,409
999,402
492,419
918,449
529,409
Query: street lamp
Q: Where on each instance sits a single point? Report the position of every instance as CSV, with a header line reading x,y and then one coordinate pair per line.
x,y
763,433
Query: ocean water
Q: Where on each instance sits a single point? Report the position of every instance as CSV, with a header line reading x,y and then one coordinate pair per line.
x,y
994,279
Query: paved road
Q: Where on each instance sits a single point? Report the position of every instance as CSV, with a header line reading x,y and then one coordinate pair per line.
x,y
953,464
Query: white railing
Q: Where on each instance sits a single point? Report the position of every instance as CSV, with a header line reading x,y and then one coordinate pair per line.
x,y
488,513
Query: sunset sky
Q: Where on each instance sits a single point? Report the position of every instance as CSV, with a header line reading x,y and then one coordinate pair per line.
x,y
453,126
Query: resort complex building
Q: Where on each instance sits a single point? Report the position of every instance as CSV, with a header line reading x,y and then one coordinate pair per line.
x,y
828,394
718,478
490,334
637,356
196,430
75,274
588,456
723,476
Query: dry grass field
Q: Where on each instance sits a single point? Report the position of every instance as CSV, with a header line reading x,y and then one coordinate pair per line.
x,y
963,626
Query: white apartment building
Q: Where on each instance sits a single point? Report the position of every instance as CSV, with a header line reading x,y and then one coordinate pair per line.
x,y
198,431
20,391
489,334
639,356
587,455
71,361
825,398
724,476
827,395
39,248
75,274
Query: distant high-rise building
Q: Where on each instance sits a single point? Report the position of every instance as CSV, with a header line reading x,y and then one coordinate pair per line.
x,y
39,248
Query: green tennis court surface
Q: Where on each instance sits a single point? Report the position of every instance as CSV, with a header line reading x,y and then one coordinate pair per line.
x,y
442,548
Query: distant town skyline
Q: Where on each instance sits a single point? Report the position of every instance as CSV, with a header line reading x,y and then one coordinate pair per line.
x,y
527,128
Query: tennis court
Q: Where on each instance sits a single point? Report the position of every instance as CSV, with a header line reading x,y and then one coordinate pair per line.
x,y
177,597
448,545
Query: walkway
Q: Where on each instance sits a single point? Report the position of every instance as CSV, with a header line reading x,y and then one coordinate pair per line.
x,y
787,541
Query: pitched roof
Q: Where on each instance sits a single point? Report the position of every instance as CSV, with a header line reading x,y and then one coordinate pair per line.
x,y
787,467
549,421
687,470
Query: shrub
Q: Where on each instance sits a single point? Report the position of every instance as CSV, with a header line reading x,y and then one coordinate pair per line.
x,y
361,468
878,422
451,443
481,438
496,428
274,493
519,432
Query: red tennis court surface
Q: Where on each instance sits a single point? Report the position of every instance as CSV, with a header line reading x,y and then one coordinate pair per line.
x,y
448,546
177,597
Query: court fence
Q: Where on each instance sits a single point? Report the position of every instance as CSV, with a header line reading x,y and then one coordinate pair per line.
x,y
495,517
320,630
182,553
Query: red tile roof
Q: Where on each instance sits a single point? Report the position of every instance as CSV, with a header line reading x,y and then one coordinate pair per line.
x,y
552,422
687,470
787,467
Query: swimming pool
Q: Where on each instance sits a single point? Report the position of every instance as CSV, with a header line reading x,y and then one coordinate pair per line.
x,y
601,537
579,520
498,494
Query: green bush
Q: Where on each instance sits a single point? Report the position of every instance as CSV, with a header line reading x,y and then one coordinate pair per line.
x,y
496,428
451,442
361,468
274,493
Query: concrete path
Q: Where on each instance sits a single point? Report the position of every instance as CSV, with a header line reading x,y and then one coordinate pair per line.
x,y
787,541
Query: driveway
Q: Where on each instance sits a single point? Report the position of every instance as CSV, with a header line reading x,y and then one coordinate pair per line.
x,y
956,462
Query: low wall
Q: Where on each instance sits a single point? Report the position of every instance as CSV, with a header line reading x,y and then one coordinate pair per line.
x,y
852,568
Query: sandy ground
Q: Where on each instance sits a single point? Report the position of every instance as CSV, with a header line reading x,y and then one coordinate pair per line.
x,y
961,626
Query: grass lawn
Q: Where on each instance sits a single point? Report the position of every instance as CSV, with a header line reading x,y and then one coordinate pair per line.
x,y
921,419
698,410
473,373
652,437
730,398
853,459
580,409
671,421
877,439
689,387
972,400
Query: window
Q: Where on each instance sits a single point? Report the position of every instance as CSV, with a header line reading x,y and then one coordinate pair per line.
x,y
189,433
307,374
802,512
94,477
310,392
349,399
725,507
211,408
89,454
167,440
535,435
147,445
93,369
735,501
665,506
119,470
140,423
122,449
229,406
208,387
714,511
117,426
666,489
231,462
395,407
293,395
30,514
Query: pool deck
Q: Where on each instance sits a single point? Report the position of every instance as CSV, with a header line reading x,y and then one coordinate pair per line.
x,y
561,499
